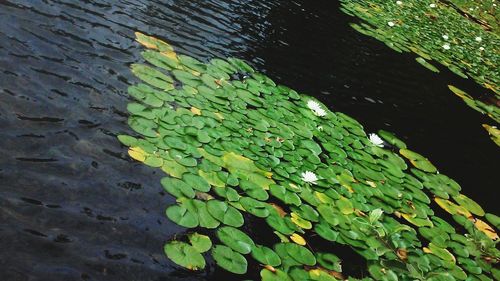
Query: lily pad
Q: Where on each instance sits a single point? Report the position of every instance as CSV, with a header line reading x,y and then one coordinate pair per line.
x,y
184,255
177,187
224,213
235,239
182,216
230,260
418,161
200,242
196,182
265,255
469,204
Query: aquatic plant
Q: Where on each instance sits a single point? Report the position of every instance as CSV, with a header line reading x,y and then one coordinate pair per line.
x,y
234,145
461,35
491,110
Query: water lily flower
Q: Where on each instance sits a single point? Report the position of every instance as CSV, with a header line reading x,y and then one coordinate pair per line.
x,y
432,5
316,108
446,46
445,37
481,48
391,24
479,39
399,2
376,140
309,177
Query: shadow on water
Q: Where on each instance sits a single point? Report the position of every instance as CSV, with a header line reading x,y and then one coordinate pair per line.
x,y
73,206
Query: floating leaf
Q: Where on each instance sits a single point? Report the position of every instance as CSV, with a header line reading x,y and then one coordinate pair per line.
x,y
200,242
235,239
137,153
300,254
224,213
177,187
228,132
469,204
418,161
302,223
182,216
196,182
255,207
229,259
152,42
493,219
184,255
440,252
392,139
486,229
299,240
452,208
265,255
329,261
274,275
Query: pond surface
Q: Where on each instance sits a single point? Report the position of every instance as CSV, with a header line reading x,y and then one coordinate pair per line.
x,y
74,206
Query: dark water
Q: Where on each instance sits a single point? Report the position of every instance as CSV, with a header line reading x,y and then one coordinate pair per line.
x,y
72,204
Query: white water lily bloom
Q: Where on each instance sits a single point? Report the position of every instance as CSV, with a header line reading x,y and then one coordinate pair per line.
x,y
376,140
316,108
432,5
399,2
481,48
445,37
446,46
391,24
479,39
309,177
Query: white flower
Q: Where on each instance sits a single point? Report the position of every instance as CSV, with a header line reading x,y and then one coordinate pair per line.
x,y
445,37
446,46
481,48
391,24
432,5
316,108
320,128
479,39
309,177
399,2
376,140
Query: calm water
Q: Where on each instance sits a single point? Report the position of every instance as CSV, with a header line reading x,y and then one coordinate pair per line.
x,y
72,204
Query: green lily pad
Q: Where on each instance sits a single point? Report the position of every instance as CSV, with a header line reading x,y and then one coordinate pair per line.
x,y
184,255
418,161
265,255
200,242
300,254
235,239
196,182
469,204
177,187
392,139
276,275
224,213
255,207
182,216
326,232
229,260
329,261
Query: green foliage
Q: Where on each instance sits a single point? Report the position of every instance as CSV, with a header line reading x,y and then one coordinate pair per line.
x,y
460,35
235,145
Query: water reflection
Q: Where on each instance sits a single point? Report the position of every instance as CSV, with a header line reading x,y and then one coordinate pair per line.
x,y
75,207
